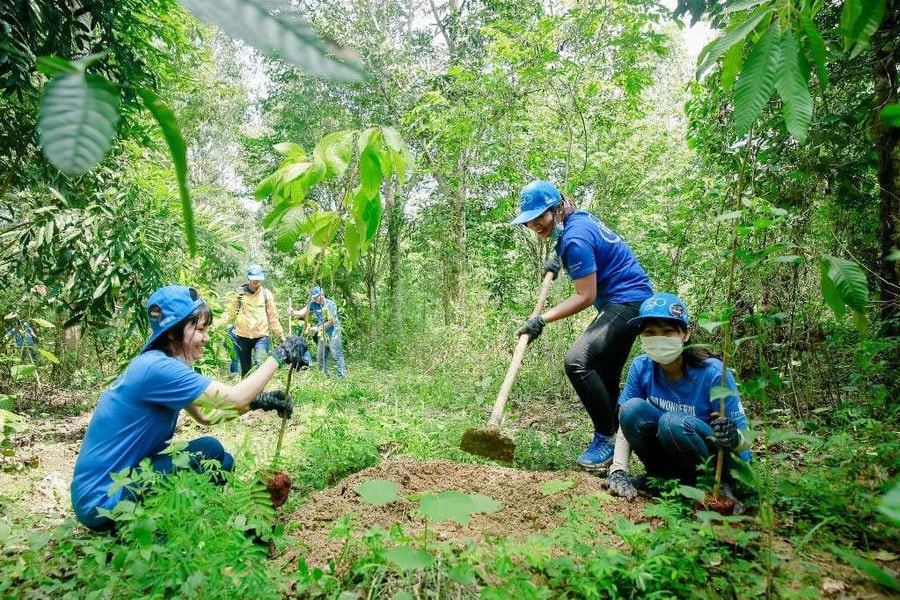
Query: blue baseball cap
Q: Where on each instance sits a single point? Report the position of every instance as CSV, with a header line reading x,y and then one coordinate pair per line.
x,y
535,199
662,306
316,291
255,272
168,306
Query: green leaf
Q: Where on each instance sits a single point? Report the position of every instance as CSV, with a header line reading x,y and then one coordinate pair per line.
x,y
484,504
893,256
288,227
692,493
377,491
178,149
273,29
555,486
48,356
76,122
736,5
716,48
20,371
54,65
869,568
290,150
720,391
353,241
816,45
890,504
335,150
793,89
890,115
401,158
450,505
859,20
775,436
407,558
756,83
734,214
326,227
848,280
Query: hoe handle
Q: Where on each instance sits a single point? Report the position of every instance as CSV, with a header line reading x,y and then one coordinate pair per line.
x,y
497,413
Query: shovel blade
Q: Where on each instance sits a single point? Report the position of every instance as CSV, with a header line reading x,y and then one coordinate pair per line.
x,y
489,443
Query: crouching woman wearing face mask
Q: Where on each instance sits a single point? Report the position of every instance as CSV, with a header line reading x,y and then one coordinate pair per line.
x,y
665,413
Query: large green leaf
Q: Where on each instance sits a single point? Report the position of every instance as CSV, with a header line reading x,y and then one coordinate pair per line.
x,y
859,20
377,491
407,558
272,27
335,151
890,115
288,228
402,160
816,45
794,89
716,48
756,83
844,284
76,122
178,149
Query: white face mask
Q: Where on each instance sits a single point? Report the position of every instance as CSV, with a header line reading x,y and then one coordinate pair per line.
x,y
662,348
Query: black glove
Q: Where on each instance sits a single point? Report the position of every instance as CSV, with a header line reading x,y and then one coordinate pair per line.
x,y
725,433
552,266
274,400
618,484
291,352
533,327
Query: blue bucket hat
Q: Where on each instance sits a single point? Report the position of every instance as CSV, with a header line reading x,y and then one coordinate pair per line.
x,y
168,306
535,199
316,291
255,272
662,306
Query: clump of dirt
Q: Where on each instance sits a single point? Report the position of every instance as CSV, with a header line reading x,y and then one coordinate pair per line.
x,y
530,503
278,485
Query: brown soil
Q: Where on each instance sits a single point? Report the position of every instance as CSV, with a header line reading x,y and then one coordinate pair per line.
x,y
525,507
279,486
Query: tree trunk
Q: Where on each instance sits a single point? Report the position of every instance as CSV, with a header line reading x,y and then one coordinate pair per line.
x,y
887,52
394,211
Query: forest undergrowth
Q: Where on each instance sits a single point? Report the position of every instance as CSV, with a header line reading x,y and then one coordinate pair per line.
x,y
816,523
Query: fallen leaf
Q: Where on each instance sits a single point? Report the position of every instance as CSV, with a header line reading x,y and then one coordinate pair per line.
x,y
832,587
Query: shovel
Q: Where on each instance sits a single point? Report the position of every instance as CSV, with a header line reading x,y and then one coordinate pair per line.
x,y
489,442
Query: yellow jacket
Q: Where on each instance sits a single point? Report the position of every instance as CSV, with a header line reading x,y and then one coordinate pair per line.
x,y
256,314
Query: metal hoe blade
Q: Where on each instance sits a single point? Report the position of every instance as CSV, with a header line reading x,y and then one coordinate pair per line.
x,y
489,443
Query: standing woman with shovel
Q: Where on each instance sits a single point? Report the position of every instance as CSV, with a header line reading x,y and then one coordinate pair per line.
x,y
606,276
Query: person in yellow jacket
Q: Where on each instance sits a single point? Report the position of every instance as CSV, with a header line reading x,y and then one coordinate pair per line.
x,y
255,316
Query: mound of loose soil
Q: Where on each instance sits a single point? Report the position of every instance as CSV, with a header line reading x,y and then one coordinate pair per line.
x,y
525,507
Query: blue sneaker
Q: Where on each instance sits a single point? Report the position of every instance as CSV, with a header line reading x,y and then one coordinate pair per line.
x,y
599,454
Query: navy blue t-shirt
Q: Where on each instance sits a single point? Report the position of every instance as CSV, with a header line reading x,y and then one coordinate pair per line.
x,y
588,246
134,419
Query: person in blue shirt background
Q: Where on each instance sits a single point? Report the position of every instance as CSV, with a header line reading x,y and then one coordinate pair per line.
x,y
607,276
24,336
328,329
136,416
666,416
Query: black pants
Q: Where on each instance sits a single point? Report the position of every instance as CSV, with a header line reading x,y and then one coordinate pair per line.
x,y
594,363
246,348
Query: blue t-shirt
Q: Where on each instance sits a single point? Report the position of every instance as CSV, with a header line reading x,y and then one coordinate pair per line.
x,y
134,419
326,312
588,246
689,395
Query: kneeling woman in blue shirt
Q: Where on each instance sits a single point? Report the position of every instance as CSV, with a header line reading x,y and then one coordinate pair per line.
x,y
665,413
135,418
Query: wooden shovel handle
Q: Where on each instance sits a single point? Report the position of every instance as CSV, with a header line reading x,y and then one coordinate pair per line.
x,y
497,413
